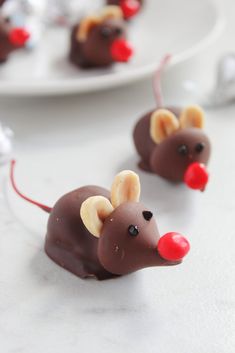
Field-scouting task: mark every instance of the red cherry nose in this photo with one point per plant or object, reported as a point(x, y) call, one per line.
point(196, 176)
point(121, 50)
point(130, 8)
point(173, 246)
point(18, 36)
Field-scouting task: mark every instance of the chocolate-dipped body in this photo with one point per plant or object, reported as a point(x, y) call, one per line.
point(115, 252)
point(68, 242)
point(95, 51)
point(143, 141)
point(118, 2)
point(164, 158)
point(72, 246)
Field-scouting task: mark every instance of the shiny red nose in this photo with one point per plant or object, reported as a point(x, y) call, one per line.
point(130, 8)
point(121, 50)
point(196, 176)
point(173, 246)
point(18, 36)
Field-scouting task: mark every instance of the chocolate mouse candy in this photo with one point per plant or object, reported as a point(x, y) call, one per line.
point(130, 8)
point(99, 41)
point(172, 144)
point(92, 232)
point(11, 38)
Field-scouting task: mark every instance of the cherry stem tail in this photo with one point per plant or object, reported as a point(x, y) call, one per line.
point(12, 179)
point(157, 80)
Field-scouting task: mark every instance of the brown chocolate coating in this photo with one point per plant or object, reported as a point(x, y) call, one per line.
point(117, 2)
point(2, 2)
point(164, 159)
point(68, 242)
point(95, 50)
point(122, 253)
point(6, 47)
point(116, 252)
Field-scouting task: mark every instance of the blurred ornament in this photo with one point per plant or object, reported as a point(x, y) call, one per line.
point(6, 136)
point(66, 12)
point(224, 90)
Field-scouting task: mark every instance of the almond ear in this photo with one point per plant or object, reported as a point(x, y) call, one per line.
point(126, 187)
point(192, 116)
point(93, 212)
point(85, 26)
point(111, 11)
point(162, 124)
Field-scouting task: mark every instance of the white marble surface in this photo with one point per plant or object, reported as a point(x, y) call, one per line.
point(186, 309)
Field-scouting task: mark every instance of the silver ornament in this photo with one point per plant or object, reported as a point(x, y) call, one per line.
point(224, 90)
point(6, 136)
point(67, 12)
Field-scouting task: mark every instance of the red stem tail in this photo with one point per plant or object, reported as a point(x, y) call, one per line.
point(12, 179)
point(157, 80)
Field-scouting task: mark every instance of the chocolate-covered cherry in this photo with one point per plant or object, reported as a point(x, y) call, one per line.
point(168, 145)
point(171, 143)
point(99, 41)
point(130, 8)
point(94, 232)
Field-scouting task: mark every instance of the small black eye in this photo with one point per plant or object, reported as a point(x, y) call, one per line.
point(183, 150)
point(199, 147)
point(118, 31)
point(106, 32)
point(133, 230)
point(147, 215)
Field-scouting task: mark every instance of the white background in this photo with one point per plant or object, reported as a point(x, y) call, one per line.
point(62, 143)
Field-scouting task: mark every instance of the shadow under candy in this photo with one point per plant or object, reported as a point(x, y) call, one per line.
point(171, 198)
point(90, 296)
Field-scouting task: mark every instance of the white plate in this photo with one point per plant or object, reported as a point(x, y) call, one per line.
point(179, 27)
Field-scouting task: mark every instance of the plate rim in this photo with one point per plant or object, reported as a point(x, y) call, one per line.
point(70, 86)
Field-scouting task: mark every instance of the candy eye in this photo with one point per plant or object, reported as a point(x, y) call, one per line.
point(133, 230)
point(105, 32)
point(199, 147)
point(147, 215)
point(118, 31)
point(183, 150)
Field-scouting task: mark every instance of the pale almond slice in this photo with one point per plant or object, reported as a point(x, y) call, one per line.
point(93, 212)
point(85, 25)
point(192, 116)
point(162, 124)
point(111, 11)
point(126, 187)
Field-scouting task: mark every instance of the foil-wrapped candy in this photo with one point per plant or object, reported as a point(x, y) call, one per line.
point(224, 90)
point(35, 14)
point(6, 136)
point(67, 12)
